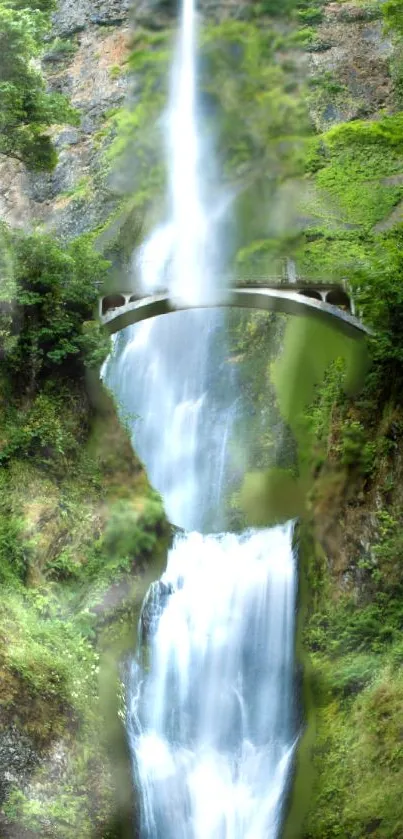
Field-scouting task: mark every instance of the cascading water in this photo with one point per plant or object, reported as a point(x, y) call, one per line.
point(211, 720)
point(171, 373)
point(210, 698)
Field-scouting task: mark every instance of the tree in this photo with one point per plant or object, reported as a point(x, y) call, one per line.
point(26, 109)
point(52, 315)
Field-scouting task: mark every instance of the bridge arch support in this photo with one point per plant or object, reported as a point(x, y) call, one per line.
point(324, 305)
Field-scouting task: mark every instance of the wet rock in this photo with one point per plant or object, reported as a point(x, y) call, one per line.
point(15, 208)
point(331, 113)
point(78, 215)
point(14, 831)
point(70, 137)
point(72, 17)
point(18, 759)
point(69, 170)
point(153, 607)
point(221, 9)
point(66, 201)
point(357, 56)
point(158, 14)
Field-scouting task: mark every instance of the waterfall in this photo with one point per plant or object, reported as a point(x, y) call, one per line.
point(211, 716)
point(211, 719)
point(170, 375)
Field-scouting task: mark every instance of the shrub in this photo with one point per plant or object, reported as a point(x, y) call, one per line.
point(55, 295)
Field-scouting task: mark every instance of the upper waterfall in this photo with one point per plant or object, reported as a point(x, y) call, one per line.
point(182, 254)
point(171, 375)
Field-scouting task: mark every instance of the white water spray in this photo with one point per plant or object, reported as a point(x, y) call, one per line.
point(211, 720)
point(171, 374)
point(210, 711)
point(182, 254)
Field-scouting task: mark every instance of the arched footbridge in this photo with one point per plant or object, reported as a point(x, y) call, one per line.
point(327, 302)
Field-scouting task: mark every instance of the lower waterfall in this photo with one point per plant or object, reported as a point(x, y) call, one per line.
point(211, 717)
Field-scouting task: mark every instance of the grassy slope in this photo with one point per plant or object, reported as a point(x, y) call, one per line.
point(80, 533)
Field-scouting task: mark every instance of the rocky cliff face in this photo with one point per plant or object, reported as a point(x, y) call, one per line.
point(86, 58)
point(352, 50)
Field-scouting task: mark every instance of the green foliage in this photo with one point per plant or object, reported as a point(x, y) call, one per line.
point(12, 554)
point(381, 297)
point(136, 145)
point(56, 294)
point(346, 629)
point(329, 394)
point(386, 132)
point(45, 649)
point(356, 656)
point(70, 540)
point(351, 182)
point(128, 533)
point(47, 429)
point(130, 537)
point(26, 109)
point(393, 15)
point(356, 450)
point(82, 189)
point(115, 71)
point(310, 16)
point(66, 812)
point(327, 82)
point(61, 49)
point(388, 549)
point(354, 187)
point(33, 6)
point(242, 59)
point(357, 755)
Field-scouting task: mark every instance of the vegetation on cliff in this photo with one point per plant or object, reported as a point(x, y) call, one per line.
point(78, 528)
point(26, 109)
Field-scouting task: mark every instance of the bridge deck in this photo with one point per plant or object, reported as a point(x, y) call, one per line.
point(267, 299)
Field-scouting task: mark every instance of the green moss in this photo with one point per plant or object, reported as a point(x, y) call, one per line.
point(61, 49)
point(115, 71)
point(351, 187)
point(82, 189)
point(393, 16)
point(133, 129)
point(357, 753)
point(84, 544)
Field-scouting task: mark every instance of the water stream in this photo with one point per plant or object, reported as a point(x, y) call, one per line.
point(211, 714)
point(211, 718)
